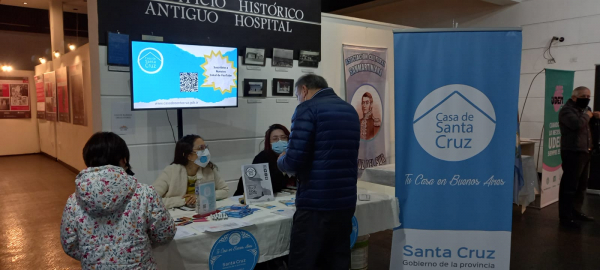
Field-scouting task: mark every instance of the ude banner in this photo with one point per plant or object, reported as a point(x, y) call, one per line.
point(456, 99)
point(366, 84)
point(559, 86)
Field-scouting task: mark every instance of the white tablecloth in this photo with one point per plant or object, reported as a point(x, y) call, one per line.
point(272, 232)
point(383, 175)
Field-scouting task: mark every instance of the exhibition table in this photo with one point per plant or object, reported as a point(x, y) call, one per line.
point(270, 227)
point(383, 175)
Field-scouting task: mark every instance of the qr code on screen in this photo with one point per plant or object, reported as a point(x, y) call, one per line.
point(188, 82)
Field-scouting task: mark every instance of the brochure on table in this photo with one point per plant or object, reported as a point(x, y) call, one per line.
point(257, 183)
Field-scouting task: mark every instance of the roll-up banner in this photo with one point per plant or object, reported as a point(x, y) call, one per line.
point(456, 95)
point(559, 86)
point(366, 84)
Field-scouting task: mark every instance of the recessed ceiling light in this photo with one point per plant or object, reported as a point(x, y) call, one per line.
point(25, 3)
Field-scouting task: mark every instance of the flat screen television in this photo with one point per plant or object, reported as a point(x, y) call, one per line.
point(178, 76)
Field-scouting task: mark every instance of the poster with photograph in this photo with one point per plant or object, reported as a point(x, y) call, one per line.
point(366, 73)
point(255, 57)
point(309, 59)
point(62, 87)
point(14, 98)
point(40, 97)
point(283, 58)
point(283, 87)
point(257, 183)
point(77, 95)
point(50, 93)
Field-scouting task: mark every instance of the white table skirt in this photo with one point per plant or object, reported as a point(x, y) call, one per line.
point(272, 232)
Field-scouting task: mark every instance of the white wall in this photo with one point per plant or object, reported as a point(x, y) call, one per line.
point(234, 134)
point(65, 141)
point(20, 136)
point(577, 21)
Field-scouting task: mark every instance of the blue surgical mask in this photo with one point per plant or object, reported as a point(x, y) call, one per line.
point(279, 147)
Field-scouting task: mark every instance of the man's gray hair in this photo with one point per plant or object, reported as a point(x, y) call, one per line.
point(578, 91)
point(312, 81)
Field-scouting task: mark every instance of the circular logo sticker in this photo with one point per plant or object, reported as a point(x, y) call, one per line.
point(354, 234)
point(251, 172)
point(150, 60)
point(236, 249)
point(455, 122)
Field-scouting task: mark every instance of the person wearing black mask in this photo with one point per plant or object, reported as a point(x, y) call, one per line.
point(575, 144)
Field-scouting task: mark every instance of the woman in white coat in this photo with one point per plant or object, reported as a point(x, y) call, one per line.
point(176, 184)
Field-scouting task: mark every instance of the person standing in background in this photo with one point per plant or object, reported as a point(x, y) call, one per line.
point(575, 144)
point(323, 154)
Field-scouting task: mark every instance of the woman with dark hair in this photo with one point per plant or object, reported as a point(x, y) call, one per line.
point(276, 139)
point(97, 221)
point(177, 183)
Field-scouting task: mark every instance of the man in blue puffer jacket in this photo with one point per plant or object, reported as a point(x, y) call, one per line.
point(322, 153)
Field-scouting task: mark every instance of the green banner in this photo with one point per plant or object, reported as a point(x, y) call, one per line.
point(559, 86)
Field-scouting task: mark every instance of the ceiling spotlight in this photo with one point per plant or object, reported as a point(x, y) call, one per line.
point(25, 3)
point(56, 54)
point(7, 68)
point(72, 47)
point(42, 60)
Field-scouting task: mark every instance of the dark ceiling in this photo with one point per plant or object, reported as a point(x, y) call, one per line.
point(37, 21)
point(328, 6)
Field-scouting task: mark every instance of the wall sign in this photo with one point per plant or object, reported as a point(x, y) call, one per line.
point(14, 98)
point(62, 89)
point(78, 95)
point(234, 250)
point(294, 25)
point(40, 97)
point(50, 92)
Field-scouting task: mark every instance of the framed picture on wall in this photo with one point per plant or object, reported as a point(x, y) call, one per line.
point(283, 58)
point(254, 57)
point(255, 88)
point(309, 59)
point(283, 87)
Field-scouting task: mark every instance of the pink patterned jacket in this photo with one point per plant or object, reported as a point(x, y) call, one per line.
point(111, 221)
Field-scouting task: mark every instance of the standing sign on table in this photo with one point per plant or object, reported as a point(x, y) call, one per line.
point(456, 98)
point(366, 84)
point(559, 87)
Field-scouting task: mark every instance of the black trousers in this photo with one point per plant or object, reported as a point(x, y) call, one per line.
point(321, 240)
point(576, 166)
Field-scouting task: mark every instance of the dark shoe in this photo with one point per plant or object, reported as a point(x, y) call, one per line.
point(583, 217)
point(569, 223)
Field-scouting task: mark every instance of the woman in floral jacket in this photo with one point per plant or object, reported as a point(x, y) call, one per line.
point(111, 220)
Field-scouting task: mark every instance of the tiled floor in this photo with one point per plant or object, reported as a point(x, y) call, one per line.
point(33, 192)
point(34, 189)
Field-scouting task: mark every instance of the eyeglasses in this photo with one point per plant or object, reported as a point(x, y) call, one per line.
point(201, 147)
point(281, 138)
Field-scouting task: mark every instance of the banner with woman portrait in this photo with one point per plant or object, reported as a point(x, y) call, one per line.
point(366, 72)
